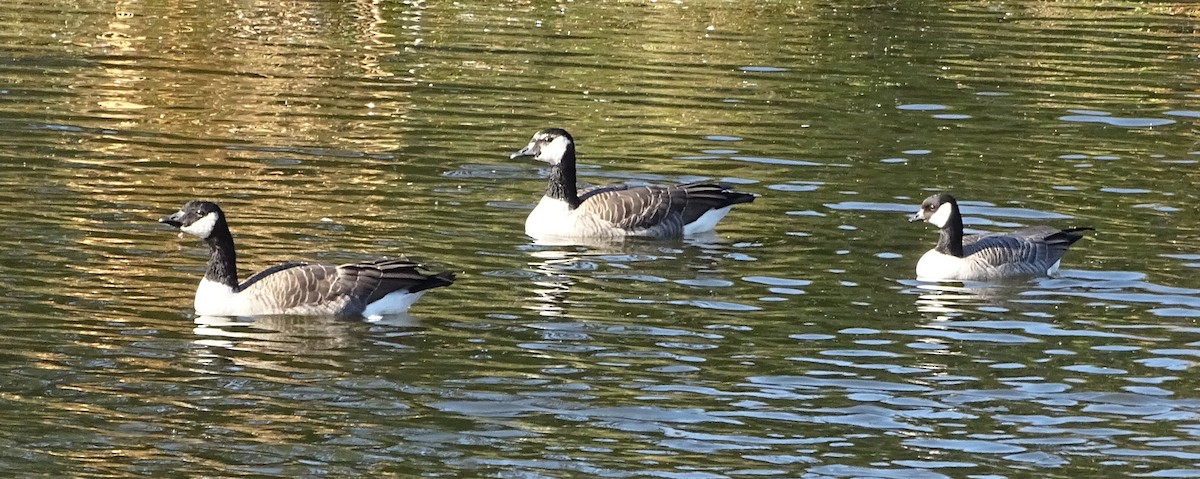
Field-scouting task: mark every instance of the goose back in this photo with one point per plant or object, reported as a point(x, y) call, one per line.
point(342, 290)
point(653, 211)
point(1034, 251)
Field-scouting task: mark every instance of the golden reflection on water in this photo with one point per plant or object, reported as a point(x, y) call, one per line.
point(334, 131)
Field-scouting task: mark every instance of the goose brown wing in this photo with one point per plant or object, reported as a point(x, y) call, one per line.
point(632, 208)
point(376, 279)
point(642, 207)
point(267, 272)
point(702, 197)
point(341, 289)
point(1034, 249)
point(292, 285)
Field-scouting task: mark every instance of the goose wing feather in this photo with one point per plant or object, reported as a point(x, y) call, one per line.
point(588, 192)
point(287, 287)
point(376, 279)
point(341, 289)
point(1024, 251)
point(646, 207)
point(632, 208)
point(267, 272)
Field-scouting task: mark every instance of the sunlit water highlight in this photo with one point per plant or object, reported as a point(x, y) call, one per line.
point(792, 343)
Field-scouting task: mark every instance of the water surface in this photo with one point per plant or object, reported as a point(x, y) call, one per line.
point(793, 343)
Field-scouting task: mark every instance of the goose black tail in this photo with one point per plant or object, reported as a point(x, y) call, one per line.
point(733, 198)
point(438, 280)
point(1071, 235)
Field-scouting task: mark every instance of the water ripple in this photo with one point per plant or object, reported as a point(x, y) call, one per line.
point(791, 342)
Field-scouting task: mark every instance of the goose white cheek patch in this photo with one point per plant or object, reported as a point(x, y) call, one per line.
point(553, 152)
point(942, 215)
point(201, 227)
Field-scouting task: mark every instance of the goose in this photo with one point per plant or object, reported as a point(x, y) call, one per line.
point(371, 289)
point(1024, 253)
point(618, 211)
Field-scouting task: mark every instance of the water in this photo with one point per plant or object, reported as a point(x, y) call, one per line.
point(794, 343)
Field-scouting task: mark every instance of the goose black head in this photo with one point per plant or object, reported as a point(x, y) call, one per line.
point(936, 209)
point(551, 145)
point(196, 217)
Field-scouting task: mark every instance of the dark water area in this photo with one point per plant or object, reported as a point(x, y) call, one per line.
point(793, 342)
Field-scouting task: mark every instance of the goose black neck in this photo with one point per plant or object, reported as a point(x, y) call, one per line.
point(562, 180)
point(222, 259)
point(950, 240)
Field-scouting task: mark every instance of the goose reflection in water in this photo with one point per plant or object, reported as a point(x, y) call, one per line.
point(950, 300)
point(286, 337)
point(559, 263)
point(551, 283)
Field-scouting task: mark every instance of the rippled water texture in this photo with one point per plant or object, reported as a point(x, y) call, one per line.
point(792, 343)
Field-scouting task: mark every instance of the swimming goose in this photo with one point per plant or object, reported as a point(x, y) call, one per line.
point(1027, 252)
point(620, 210)
point(371, 289)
